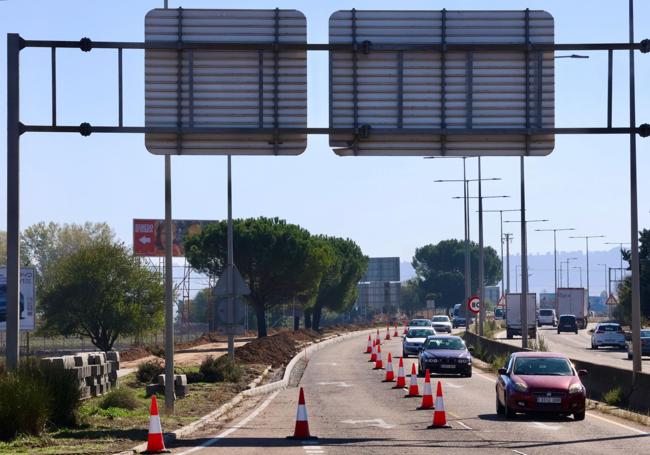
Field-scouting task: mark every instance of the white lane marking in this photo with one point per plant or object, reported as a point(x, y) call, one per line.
point(234, 428)
point(467, 427)
point(545, 426)
point(487, 378)
point(452, 385)
point(516, 451)
point(337, 384)
point(333, 364)
point(379, 423)
point(635, 430)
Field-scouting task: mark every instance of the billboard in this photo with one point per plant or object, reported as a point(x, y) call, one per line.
point(206, 89)
point(462, 73)
point(149, 236)
point(27, 299)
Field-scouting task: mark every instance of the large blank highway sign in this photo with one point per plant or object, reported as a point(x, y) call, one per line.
point(402, 90)
point(225, 88)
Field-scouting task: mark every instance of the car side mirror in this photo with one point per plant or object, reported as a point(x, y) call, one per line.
point(503, 371)
point(470, 349)
point(582, 373)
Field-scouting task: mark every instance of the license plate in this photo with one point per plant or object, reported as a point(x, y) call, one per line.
point(448, 366)
point(554, 400)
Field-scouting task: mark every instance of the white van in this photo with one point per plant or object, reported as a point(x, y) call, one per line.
point(546, 317)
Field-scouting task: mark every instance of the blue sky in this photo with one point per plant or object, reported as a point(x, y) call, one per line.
point(389, 206)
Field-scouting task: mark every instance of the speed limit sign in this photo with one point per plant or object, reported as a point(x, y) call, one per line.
point(474, 304)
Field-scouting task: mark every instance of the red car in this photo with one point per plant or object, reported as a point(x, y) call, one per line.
point(540, 382)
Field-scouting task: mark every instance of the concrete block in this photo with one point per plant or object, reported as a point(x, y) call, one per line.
point(94, 370)
point(81, 359)
point(113, 356)
point(161, 379)
point(180, 380)
point(154, 388)
point(180, 390)
point(112, 376)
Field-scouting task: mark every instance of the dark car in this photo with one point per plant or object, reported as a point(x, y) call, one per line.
point(3, 303)
point(645, 344)
point(540, 382)
point(445, 355)
point(567, 323)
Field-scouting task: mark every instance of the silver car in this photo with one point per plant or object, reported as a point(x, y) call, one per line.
point(608, 334)
point(414, 339)
point(441, 324)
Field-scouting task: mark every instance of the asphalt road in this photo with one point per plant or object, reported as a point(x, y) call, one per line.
point(577, 347)
point(353, 412)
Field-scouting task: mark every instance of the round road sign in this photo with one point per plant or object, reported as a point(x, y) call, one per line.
point(474, 304)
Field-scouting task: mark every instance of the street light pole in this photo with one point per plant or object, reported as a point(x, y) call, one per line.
point(508, 240)
point(587, 237)
point(503, 273)
point(555, 255)
point(481, 265)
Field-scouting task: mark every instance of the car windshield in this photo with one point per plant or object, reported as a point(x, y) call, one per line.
point(542, 366)
point(455, 344)
point(419, 333)
point(440, 319)
point(419, 323)
point(567, 319)
point(546, 312)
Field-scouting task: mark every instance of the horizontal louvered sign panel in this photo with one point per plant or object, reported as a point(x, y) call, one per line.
point(243, 89)
point(462, 93)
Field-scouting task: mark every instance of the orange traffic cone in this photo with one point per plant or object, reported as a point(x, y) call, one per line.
point(369, 346)
point(439, 416)
point(401, 379)
point(302, 424)
point(427, 396)
point(395, 334)
point(414, 390)
point(379, 364)
point(389, 370)
point(377, 339)
point(373, 353)
point(387, 337)
point(155, 441)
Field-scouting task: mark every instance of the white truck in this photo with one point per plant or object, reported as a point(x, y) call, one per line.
point(574, 301)
point(513, 315)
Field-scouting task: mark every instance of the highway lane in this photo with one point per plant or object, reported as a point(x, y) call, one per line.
point(353, 412)
point(577, 347)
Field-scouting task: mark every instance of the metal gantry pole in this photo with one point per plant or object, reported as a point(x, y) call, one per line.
point(13, 202)
point(634, 217)
point(231, 261)
point(481, 270)
point(468, 270)
point(503, 272)
point(169, 292)
point(524, 261)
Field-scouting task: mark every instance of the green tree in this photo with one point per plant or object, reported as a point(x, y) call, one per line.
point(623, 310)
point(101, 291)
point(440, 269)
point(411, 297)
point(3, 248)
point(338, 288)
point(277, 259)
point(199, 307)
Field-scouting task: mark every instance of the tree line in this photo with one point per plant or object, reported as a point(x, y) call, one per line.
point(89, 284)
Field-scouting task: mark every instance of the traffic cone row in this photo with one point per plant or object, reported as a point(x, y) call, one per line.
point(439, 415)
point(387, 337)
point(369, 346)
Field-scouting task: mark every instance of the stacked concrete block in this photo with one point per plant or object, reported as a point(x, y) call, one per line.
point(180, 386)
point(96, 371)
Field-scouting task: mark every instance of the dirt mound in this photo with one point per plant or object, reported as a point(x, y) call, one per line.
point(134, 353)
point(277, 349)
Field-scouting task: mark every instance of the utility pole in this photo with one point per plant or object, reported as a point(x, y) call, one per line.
point(555, 231)
point(587, 237)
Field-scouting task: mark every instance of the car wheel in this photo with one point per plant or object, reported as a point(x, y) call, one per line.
point(507, 412)
point(469, 373)
point(404, 355)
point(595, 346)
point(558, 331)
point(500, 408)
point(629, 356)
point(576, 331)
point(579, 415)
